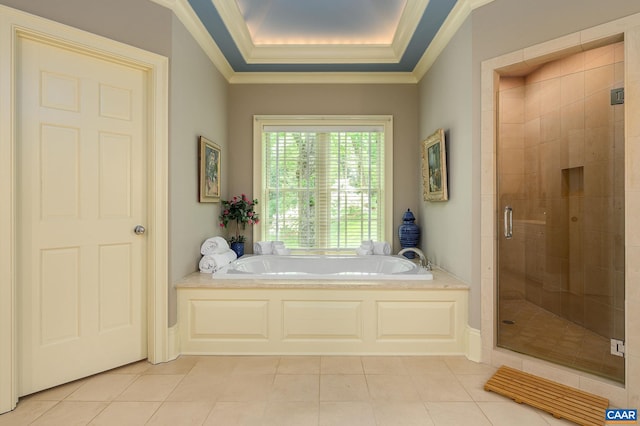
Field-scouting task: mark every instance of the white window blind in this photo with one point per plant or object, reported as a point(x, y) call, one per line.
point(323, 185)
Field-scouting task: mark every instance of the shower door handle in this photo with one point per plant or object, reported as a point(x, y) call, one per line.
point(508, 222)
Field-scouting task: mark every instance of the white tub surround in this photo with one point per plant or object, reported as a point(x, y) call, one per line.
point(322, 316)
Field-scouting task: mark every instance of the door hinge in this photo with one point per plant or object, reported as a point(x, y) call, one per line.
point(617, 347)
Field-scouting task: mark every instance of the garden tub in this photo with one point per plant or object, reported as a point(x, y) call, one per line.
point(293, 305)
point(318, 267)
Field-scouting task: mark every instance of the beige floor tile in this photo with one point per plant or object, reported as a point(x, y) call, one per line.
point(26, 412)
point(457, 413)
point(385, 387)
point(236, 414)
point(295, 387)
point(182, 365)
point(71, 413)
point(341, 365)
point(181, 413)
point(440, 387)
point(126, 414)
point(433, 391)
point(299, 365)
point(155, 387)
point(288, 413)
point(59, 392)
point(138, 367)
point(424, 364)
point(503, 413)
point(214, 365)
point(351, 413)
point(343, 387)
point(555, 422)
point(200, 388)
point(474, 385)
point(402, 414)
point(461, 365)
point(383, 365)
point(248, 388)
point(103, 387)
point(256, 365)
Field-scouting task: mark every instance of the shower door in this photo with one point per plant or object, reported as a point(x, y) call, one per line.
point(561, 212)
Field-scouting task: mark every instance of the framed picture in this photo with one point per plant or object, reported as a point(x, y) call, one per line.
point(209, 170)
point(434, 167)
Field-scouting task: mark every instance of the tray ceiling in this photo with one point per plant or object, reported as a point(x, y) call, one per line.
point(322, 35)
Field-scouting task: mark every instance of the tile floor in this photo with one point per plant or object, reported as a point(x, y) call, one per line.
point(281, 390)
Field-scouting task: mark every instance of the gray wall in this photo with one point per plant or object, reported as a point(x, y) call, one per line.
point(444, 102)
point(338, 99)
point(492, 30)
point(139, 23)
point(197, 106)
point(198, 94)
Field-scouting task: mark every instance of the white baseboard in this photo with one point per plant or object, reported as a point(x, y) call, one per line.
point(474, 344)
point(174, 342)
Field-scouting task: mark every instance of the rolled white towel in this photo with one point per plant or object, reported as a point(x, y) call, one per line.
point(263, 247)
point(363, 251)
point(276, 244)
point(207, 264)
point(367, 245)
point(214, 245)
point(212, 262)
point(382, 247)
point(281, 251)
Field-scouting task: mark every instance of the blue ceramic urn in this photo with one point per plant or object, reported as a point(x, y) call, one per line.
point(238, 248)
point(409, 233)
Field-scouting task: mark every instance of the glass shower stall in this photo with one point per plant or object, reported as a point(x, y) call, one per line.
point(560, 189)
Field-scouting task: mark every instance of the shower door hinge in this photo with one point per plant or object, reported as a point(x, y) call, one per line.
point(617, 347)
point(617, 96)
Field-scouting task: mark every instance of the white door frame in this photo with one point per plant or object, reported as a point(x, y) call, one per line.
point(13, 24)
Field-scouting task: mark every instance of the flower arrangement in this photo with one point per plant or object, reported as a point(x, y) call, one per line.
point(241, 211)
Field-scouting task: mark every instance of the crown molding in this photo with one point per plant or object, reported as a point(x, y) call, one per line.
point(451, 25)
point(411, 16)
point(183, 11)
point(329, 53)
point(456, 18)
point(323, 78)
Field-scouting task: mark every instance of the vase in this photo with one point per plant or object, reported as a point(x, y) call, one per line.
point(409, 233)
point(238, 248)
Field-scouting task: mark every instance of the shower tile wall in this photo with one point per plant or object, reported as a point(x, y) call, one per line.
point(561, 168)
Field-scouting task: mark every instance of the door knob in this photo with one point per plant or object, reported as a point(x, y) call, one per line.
point(139, 230)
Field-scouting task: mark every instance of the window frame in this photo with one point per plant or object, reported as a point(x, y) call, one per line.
point(385, 121)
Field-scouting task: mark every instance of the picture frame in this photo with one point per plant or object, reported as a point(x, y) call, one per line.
point(209, 155)
point(434, 167)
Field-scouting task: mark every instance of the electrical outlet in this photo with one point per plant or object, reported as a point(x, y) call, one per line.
point(617, 347)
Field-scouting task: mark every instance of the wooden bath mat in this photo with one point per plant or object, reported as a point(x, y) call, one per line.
point(561, 401)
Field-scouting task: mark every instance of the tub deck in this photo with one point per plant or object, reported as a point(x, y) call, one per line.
point(322, 317)
point(441, 280)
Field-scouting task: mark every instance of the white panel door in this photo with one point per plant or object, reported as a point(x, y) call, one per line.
point(81, 122)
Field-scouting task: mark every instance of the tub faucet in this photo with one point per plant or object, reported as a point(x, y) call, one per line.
point(423, 259)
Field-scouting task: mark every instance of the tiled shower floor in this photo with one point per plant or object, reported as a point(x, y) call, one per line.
point(542, 334)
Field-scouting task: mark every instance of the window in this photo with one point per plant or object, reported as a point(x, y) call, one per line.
point(323, 182)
